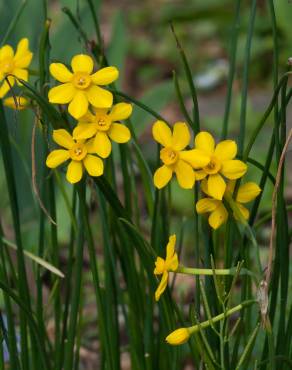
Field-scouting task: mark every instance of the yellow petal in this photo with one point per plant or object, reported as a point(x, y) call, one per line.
point(79, 105)
point(121, 111)
point(5, 87)
point(6, 52)
point(100, 111)
point(16, 102)
point(233, 169)
point(205, 142)
point(119, 133)
point(185, 174)
point(177, 337)
point(105, 76)
point(247, 192)
point(162, 286)
point(244, 212)
point(74, 172)
point(98, 97)
point(181, 136)
point(162, 133)
point(216, 186)
point(90, 147)
point(172, 264)
point(102, 144)
point(195, 157)
point(170, 246)
point(20, 73)
point(63, 138)
point(162, 176)
point(218, 217)
point(206, 205)
point(204, 186)
point(84, 131)
point(82, 63)
point(60, 72)
point(93, 165)
point(200, 175)
point(225, 150)
point(57, 157)
point(159, 266)
point(62, 94)
point(23, 56)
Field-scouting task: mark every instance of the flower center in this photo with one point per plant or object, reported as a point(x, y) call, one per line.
point(7, 65)
point(168, 156)
point(213, 166)
point(78, 152)
point(81, 80)
point(103, 122)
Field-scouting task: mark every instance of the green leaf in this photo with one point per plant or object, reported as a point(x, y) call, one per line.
point(36, 259)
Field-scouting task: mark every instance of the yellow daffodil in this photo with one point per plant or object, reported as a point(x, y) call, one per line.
point(221, 162)
point(14, 65)
point(80, 153)
point(162, 267)
point(177, 337)
point(174, 158)
point(80, 87)
point(103, 126)
point(218, 213)
point(16, 102)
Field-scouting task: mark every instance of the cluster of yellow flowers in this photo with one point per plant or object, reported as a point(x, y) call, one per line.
point(92, 106)
point(13, 68)
point(215, 165)
point(217, 169)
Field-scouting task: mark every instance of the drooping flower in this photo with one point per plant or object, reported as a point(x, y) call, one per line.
point(174, 158)
point(178, 336)
point(14, 65)
point(221, 162)
point(80, 87)
point(80, 153)
point(163, 266)
point(103, 126)
point(218, 212)
point(16, 102)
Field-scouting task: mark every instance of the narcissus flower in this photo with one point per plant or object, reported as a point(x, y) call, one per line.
point(221, 162)
point(163, 266)
point(218, 213)
point(177, 337)
point(14, 65)
point(174, 158)
point(80, 153)
point(103, 126)
point(80, 87)
point(16, 102)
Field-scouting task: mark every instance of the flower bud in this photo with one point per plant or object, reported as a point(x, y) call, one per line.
point(178, 336)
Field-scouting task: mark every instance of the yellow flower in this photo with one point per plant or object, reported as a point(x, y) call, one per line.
point(162, 267)
point(80, 87)
point(221, 162)
point(102, 124)
point(80, 154)
point(179, 336)
point(16, 102)
point(218, 213)
point(14, 64)
point(174, 158)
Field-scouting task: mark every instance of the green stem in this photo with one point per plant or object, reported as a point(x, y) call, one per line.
point(75, 298)
point(233, 49)
point(231, 311)
point(245, 78)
